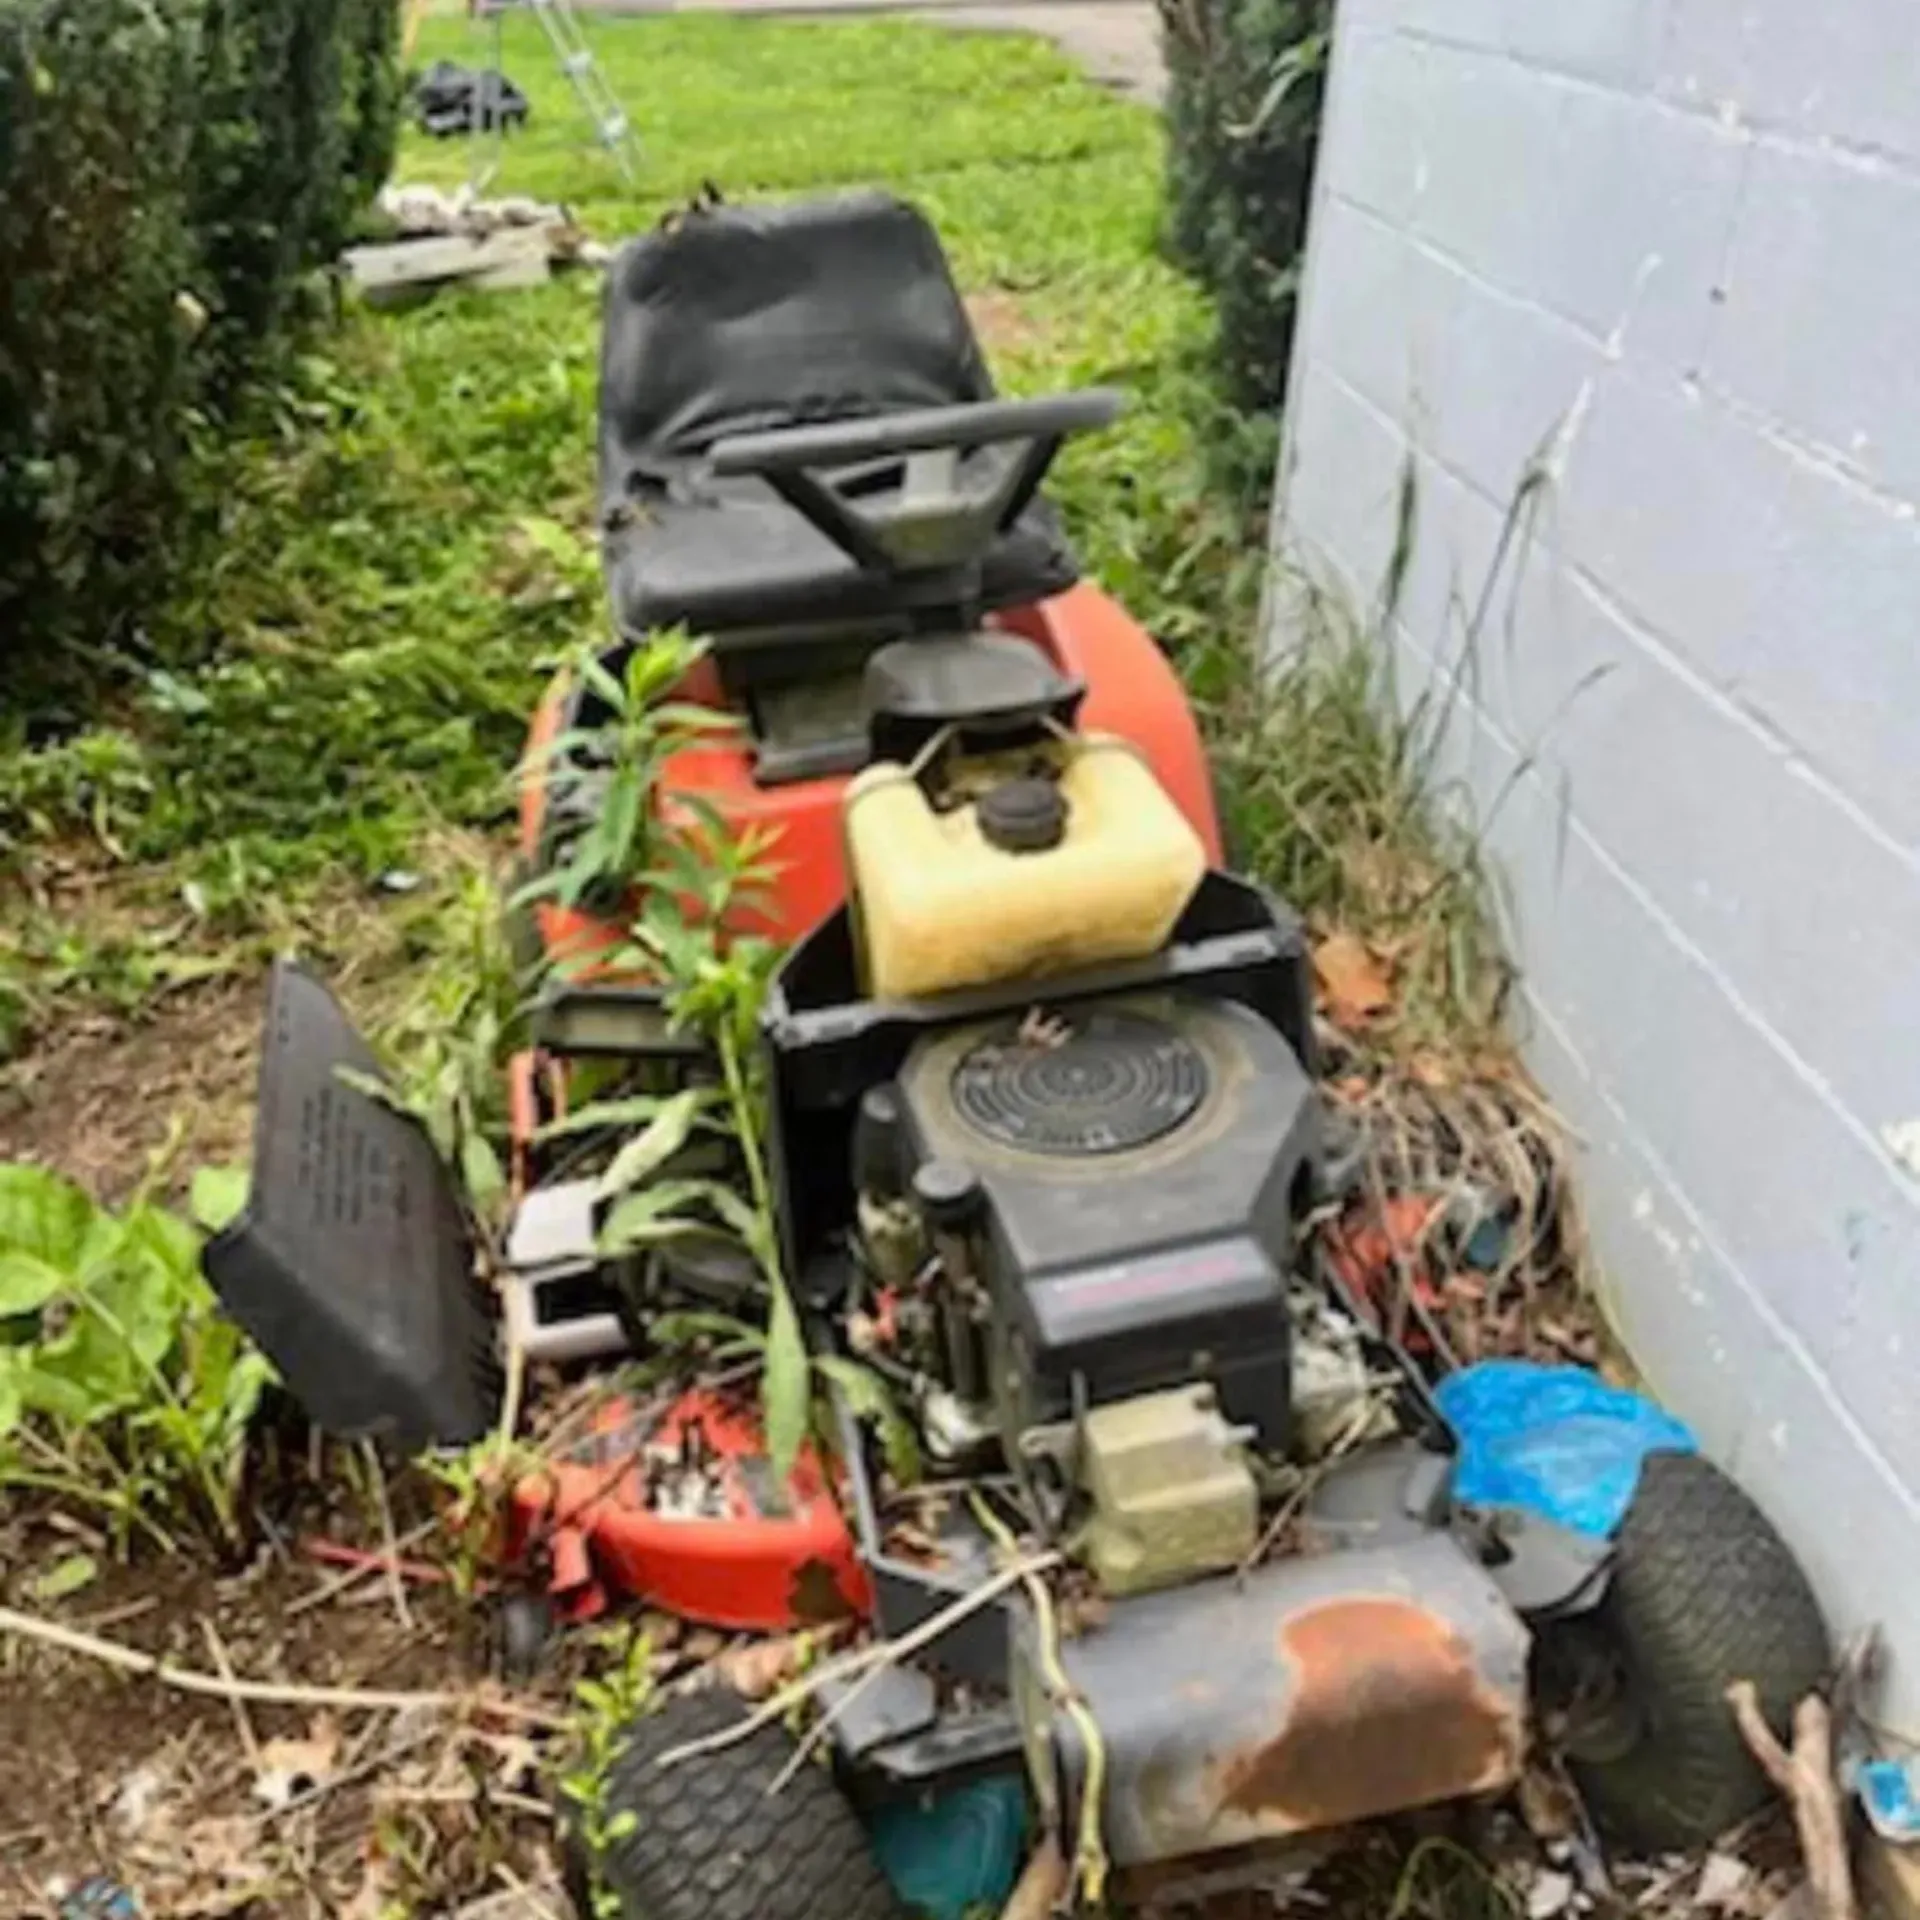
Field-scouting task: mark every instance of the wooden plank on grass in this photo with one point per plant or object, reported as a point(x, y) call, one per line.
point(494, 259)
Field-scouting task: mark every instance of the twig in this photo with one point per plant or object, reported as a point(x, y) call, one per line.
point(1042, 1886)
point(27, 1626)
point(361, 1570)
point(396, 1586)
point(513, 1394)
point(809, 1742)
point(878, 1653)
point(467, 1797)
point(1090, 1862)
point(119, 1616)
point(1804, 1776)
point(216, 1648)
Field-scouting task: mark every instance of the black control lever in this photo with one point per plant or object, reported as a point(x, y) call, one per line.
point(935, 520)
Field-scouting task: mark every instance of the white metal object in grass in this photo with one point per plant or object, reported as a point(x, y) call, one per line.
point(575, 56)
point(551, 1303)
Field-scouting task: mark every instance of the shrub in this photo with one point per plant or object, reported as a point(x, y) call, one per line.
point(1245, 82)
point(163, 163)
point(96, 117)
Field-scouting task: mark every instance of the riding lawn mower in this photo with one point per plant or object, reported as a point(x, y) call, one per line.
point(1046, 1154)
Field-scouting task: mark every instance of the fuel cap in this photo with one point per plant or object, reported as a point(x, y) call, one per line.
point(1023, 816)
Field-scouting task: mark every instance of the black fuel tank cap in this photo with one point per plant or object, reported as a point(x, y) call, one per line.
point(1023, 816)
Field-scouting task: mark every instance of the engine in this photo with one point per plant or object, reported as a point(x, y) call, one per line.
point(1101, 1208)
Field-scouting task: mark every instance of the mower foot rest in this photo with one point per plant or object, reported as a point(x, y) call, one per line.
point(351, 1266)
point(957, 1747)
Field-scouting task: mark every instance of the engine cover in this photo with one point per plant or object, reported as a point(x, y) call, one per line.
point(1143, 1161)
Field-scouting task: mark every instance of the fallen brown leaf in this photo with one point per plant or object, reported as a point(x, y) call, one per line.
point(755, 1667)
point(289, 1767)
point(1354, 987)
point(662, 1630)
point(370, 1902)
point(703, 1644)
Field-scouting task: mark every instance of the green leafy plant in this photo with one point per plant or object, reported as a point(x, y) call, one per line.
point(605, 1707)
point(721, 1340)
point(715, 987)
point(171, 173)
point(121, 1385)
point(605, 773)
point(1246, 79)
point(450, 1040)
point(685, 875)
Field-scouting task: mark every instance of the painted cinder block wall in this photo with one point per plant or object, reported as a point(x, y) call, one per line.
point(1663, 256)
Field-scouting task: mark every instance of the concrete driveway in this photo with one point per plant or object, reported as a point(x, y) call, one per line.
point(1117, 41)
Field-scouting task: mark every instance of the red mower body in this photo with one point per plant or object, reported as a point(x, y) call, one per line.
point(1132, 692)
point(680, 1506)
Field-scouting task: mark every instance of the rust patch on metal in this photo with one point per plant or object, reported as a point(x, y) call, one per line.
point(1386, 1710)
point(814, 1598)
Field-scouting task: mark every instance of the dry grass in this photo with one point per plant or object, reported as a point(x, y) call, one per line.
point(1329, 774)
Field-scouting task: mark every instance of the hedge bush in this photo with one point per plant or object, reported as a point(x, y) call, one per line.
point(171, 172)
point(1245, 83)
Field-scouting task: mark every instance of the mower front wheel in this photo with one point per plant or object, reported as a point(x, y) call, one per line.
point(1703, 1593)
point(707, 1838)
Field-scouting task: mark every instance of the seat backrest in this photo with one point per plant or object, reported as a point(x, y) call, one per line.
point(740, 319)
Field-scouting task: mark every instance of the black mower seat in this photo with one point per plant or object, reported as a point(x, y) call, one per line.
point(742, 320)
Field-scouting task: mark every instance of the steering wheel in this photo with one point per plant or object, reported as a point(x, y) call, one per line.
point(941, 515)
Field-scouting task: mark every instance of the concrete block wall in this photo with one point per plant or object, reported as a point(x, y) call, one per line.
point(1636, 284)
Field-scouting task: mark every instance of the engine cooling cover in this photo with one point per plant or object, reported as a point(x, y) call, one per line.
point(1142, 1161)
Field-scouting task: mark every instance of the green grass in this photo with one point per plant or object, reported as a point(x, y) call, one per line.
point(376, 599)
point(771, 106)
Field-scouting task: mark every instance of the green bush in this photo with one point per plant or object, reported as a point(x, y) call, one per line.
point(1245, 82)
point(171, 173)
point(96, 117)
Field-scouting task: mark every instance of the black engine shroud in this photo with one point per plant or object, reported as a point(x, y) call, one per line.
point(1142, 1161)
point(1143, 1181)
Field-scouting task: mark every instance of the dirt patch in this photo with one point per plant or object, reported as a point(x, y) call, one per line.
point(100, 1095)
point(1003, 323)
point(99, 1092)
point(302, 1811)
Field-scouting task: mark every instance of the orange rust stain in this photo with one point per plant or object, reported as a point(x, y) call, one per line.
point(1387, 1712)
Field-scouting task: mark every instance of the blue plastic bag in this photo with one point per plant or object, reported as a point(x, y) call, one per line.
point(1555, 1441)
point(1890, 1792)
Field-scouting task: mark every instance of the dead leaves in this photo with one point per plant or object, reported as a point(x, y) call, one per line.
point(289, 1768)
point(754, 1668)
point(1355, 988)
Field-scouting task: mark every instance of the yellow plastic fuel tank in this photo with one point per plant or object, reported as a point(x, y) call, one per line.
point(940, 907)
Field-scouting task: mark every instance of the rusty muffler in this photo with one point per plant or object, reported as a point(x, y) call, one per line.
point(1317, 1691)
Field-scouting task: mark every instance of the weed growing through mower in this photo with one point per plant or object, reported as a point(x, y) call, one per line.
point(683, 889)
point(606, 774)
point(449, 1041)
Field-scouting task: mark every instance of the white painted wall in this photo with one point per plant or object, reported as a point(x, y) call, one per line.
point(1670, 251)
